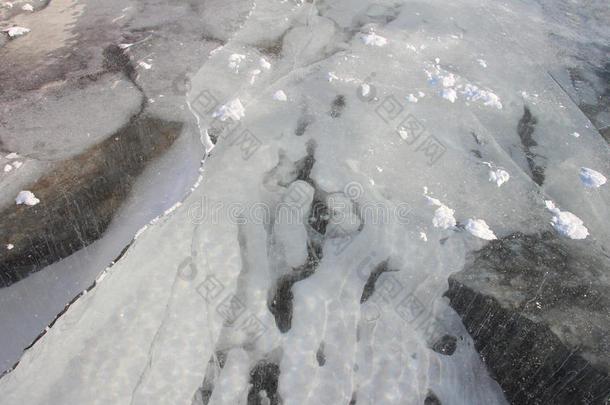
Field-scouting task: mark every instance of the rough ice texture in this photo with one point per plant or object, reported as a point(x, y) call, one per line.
point(99, 180)
point(537, 307)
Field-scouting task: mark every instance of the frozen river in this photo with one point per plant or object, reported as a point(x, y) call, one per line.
point(355, 156)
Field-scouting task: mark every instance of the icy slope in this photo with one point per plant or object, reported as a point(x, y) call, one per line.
point(309, 264)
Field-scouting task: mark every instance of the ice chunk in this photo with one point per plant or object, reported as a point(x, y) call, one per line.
point(26, 197)
point(449, 80)
point(575, 134)
point(280, 96)
point(373, 39)
point(17, 164)
point(592, 178)
point(499, 176)
point(7, 168)
point(443, 216)
point(27, 7)
point(449, 94)
point(16, 31)
point(233, 109)
point(411, 98)
point(482, 62)
point(479, 228)
point(12, 155)
point(235, 60)
point(264, 63)
point(145, 65)
point(567, 223)
point(365, 89)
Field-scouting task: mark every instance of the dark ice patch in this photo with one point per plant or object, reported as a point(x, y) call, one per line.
point(525, 129)
point(264, 377)
point(445, 345)
point(337, 106)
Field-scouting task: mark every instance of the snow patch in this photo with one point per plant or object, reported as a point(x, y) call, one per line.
point(449, 80)
point(235, 60)
point(27, 7)
point(443, 216)
point(411, 98)
point(499, 176)
point(233, 109)
point(567, 223)
point(365, 89)
point(449, 94)
point(26, 197)
point(17, 31)
point(592, 178)
point(280, 96)
point(373, 39)
point(479, 228)
point(264, 63)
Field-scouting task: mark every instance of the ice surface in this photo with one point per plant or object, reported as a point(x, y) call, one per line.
point(295, 247)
